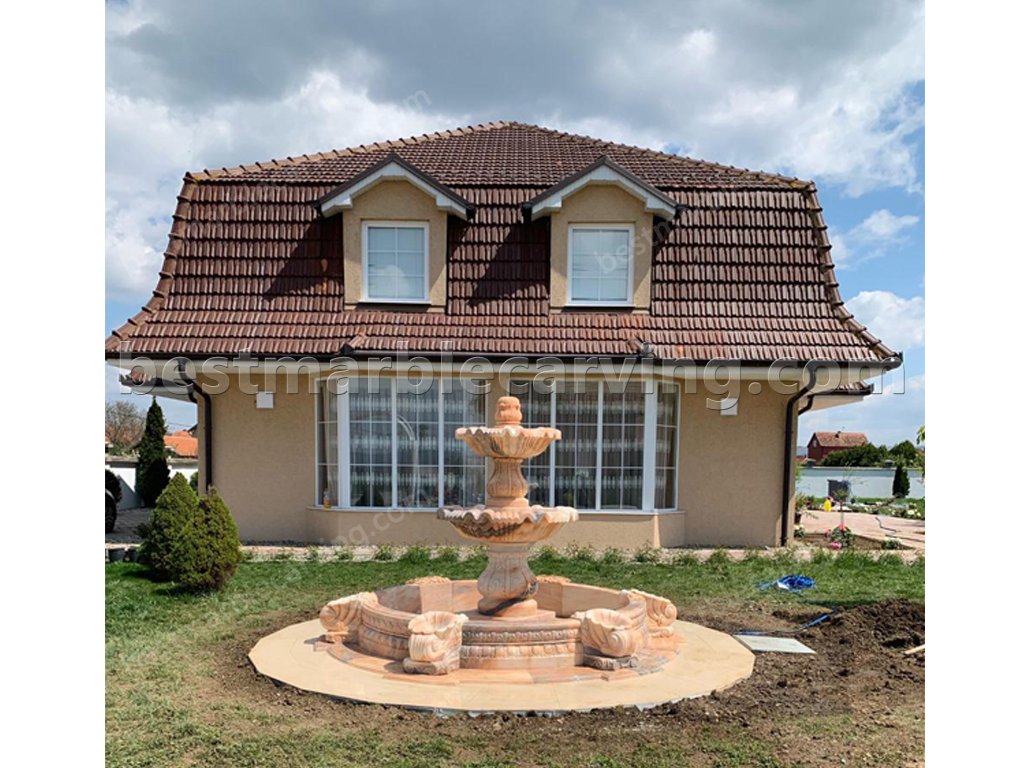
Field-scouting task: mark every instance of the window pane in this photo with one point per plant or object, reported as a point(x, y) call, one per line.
point(576, 452)
point(409, 239)
point(417, 417)
point(665, 446)
point(600, 265)
point(464, 474)
point(395, 263)
point(327, 443)
point(622, 455)
point(370, 442)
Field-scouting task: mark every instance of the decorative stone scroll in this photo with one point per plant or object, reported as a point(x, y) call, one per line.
point(661, 614)
point(610, 638)
point(341, 617)
point(435, 640)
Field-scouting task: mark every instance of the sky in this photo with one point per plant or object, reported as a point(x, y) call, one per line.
point(829, 92)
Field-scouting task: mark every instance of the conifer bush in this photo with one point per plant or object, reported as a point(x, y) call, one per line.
point(165, 536)
point(152, 472)
point(900, 482)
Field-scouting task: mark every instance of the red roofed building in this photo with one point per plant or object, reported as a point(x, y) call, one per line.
point(822, 444)
point(513, 245)
point(182, 444)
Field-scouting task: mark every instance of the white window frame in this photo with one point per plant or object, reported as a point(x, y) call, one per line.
point(630, 268)
point(425, 226)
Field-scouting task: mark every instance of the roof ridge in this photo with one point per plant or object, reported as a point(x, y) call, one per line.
point(208, 174)
point(761, 175)
point(389, 145)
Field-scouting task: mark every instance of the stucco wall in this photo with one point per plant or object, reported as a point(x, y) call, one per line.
point(865, 482)
point(264, 460)
point(729, 478)
point(602, 204)
point(395, 201)
point(731, 470)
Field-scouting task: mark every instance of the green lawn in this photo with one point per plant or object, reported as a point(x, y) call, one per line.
point(180, 692)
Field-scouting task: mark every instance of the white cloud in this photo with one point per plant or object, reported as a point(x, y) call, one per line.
point(883, 225)
point(897, 321)
point(880, 234)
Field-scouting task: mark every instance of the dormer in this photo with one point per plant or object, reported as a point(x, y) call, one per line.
point(395, 235)
point(602, 230)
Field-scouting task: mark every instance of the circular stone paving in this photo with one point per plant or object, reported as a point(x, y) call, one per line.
point(707, 661)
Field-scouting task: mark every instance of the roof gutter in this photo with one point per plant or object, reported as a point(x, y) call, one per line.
point(813, 367)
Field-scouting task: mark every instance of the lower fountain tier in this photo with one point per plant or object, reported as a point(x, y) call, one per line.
point(541, 641)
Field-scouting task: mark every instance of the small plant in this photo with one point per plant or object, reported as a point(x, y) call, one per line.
point(283, 556)
point(415, 553)
point(891, 542)
point(384, 553)
point(841, 535)
point(313, 553)
point(582, 553)
point(684, 558)
point(548, 553)
point(799, 532)
point(447, 553)
point(343, 554)
point(646, 554)
point(612, 556)
point(718, 559)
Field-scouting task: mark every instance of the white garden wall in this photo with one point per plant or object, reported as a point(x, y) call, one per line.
point(865, 482)
point(124, 468)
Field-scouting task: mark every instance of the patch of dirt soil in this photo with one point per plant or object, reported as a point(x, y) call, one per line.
point(859, 700)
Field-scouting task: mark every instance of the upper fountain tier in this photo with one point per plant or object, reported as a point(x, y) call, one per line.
point(508, 438)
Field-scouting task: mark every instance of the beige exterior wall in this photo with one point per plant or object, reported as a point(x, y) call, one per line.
point(395, 201)
point(731, 470)
point(264, 464)
point(264, 460)
point(602, 204)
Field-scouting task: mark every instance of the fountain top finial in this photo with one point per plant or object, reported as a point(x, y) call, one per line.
point(508, 412)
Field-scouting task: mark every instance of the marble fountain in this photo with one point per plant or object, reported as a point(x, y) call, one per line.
point(509, 640)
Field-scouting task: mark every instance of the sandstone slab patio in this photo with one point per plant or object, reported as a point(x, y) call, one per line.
point(711, 661)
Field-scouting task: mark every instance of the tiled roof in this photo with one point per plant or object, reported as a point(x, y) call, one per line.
point(840, 439)
point(744, 272)
point(182, 444)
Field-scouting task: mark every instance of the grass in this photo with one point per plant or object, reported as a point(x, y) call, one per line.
point(179, 693)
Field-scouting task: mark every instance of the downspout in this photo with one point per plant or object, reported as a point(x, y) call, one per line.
point(787, 465)
point(192, 387)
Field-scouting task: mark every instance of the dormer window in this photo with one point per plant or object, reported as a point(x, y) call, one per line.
point(601, 264)
point(395, 265)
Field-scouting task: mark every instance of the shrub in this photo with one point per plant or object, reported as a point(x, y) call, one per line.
point(684, 557)
point(385, 552)
point(313, 553)
point(891, 542)
point(152, 471)
point(582, 553)
point(799, 532)
point(447, 553)
point(548, 553)
point(193, 482)
point(113, 485)
point(110, 519)
point(900, 482)
point(646, 554)
point(343, 554)
point(613, 556)
point(840, 535)
point(210, 552)
point(175, 511)
point(415, 553)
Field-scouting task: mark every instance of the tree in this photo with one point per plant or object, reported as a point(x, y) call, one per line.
point(920, 439)
point(166, 542)
point(152, 472)
point(124, 425)
point(866, 455)
point(900, 482)
point(905, 453)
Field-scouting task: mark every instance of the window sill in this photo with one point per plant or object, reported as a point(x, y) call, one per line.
point(404, 302)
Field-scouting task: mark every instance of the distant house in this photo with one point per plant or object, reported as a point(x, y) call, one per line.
point(822, 444)
point(182, 444)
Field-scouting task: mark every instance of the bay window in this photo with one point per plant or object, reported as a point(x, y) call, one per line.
point(381, 444)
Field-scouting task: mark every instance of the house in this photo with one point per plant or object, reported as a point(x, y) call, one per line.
point(822, 444)
point(300, 297)
point(182, 444)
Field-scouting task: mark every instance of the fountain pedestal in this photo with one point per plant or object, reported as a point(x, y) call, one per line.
point(506, 523)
